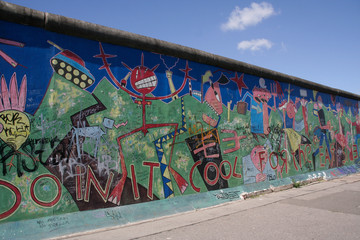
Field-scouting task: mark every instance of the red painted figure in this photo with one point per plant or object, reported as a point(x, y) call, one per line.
point(144, 81)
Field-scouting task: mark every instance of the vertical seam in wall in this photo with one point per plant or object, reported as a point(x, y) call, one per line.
point(45, 19)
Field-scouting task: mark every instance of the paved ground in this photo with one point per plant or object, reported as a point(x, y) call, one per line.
point(325, 210)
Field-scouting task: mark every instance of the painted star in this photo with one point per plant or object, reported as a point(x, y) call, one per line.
point(239, 81)
point(104, 56)
point(186, 71)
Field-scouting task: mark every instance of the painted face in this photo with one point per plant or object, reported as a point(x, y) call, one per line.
point(261, 95)
point(290, 109)
point(259, 157)
point(143, 79)
point(213, 100)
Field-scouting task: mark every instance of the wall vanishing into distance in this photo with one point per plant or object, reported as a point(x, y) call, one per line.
point(86, 125)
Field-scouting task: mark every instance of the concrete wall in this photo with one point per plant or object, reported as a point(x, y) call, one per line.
point(93, 118)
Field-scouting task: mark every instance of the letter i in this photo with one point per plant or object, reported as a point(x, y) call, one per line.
point(78, 183)
point(134, 182)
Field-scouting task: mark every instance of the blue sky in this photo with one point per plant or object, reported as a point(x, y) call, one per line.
point(314, 40)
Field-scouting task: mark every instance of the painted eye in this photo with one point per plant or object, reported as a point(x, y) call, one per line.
point(217, 96)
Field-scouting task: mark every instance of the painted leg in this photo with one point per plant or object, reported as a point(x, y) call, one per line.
point(116, 193)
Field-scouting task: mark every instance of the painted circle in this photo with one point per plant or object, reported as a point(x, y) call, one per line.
point(82, 85)
point(191, 176)
point(17, 193)
point(69, 68)
point(57, 197)
point(143, 80)
point(68, 76)
point(76, 72)
point(226, 177)
point(271, 158)
point(83, 77)
point(76, 81)
point(215, 180)
point(54, 61)
point(61, 72)
point(62, 64)
point(90, 81)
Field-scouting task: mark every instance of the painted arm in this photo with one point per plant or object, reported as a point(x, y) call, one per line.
point(273, 108)
point(169, 96)
point(274, 95)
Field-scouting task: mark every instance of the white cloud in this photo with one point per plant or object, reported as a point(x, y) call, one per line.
point(255, 44)
point(240, 19)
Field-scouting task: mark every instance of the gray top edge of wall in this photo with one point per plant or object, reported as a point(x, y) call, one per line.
point(60, 24)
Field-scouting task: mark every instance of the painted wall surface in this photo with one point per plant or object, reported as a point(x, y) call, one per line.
point(87, 125)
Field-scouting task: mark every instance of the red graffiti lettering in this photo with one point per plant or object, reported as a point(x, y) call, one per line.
point(226, 177)
point(151, 177)
point(308, 151)
point(215, 180)
point(42, 203)
point(78, 183)
point(17, 202)
point(354, 150)
point(191, 176)
point(91, 179)
point(277, 160)
point(285, 161)
point(294, 161)
point(237, 175)
point(262, 158)
point(134, 183)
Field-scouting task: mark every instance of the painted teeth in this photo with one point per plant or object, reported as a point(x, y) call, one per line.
point(146, 83)
point(197, 93)
point(211, 108)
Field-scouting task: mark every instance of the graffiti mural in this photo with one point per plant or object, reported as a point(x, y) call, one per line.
point(87, 125)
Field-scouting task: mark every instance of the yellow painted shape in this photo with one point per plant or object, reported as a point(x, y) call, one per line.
point(167, 173)
point(15, 128)
point(170, 185)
